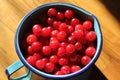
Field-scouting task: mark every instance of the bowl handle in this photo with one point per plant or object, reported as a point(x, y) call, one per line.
point(14, 67)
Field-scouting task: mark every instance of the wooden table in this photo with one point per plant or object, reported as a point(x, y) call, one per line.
point(11, 12)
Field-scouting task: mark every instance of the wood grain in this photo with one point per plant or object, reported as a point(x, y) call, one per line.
point(12, 11)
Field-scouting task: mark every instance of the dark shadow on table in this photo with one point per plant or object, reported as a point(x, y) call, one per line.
point(96, 74)
point(113, 6)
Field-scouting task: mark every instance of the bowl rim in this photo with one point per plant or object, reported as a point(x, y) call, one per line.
point(96, 28)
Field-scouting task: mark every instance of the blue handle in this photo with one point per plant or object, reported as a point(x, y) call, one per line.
point(14, 67)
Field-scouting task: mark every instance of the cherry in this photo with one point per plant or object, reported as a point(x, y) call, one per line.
point(54, 44)
point(46, 50)
point(30, 50)
point(61, 35)
point(36, 46)
point(65, 69)
point(54, 33)
point(85, 60)
point(46, 32)
point(49, 67)
point(31, 60)
point(79, 27)
point(61, 52)
point(70, 29)
point(63, 61)
point(37, 55)
point(50, 21)
point(40, 64)
point(90, 51)
point(37, 29)
point(75, 68)
point(70, 48)
point(63, 44)
point(74, 21)
point(60, 16)
point(53, 59)
point(58, 73)
point(53, 38)
point(31, 38)
point(45, 60)
point(62, 27)
point(71, 39)
point(87, 25)
point(56, 24)
point(78, 46)
point(69, 14)
point(52, 12)
point(78, 34)
point(90, 36)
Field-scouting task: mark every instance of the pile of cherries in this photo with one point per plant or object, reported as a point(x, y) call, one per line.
point(64, 46)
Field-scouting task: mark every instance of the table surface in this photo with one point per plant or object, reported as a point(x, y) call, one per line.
point(11, 12)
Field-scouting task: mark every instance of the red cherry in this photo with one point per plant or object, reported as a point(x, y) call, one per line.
point(70, 29)
point(58, 73)
point(30, 50)
point(46, 50)
point(79, 27)
point(63, 27)
point(63, 61)
point(53, 59)
point(54, 33)
point(36, 46)
point(50, 21)
point(54, 44)
point(61, 52)
point(85, 60)
point(31, 38)
point(37, 56)
point(78, 34)
point(87, 25)
point(74, 21)
point(37, 29)
point(45, 60)
point(52, 12)
point(63, 44)
point(40, 64)
point(31, 60)
point(75, 68)
point(46, 32)
point(56, 24)
point(71, 39)
point(69, 14)
point(78, 46)
point(53, 38)
point(70, 48)
point(61, 35)
point(49, 67)
point(90, 36)
point(90, 51)
point(60, 16)
point(65, 69)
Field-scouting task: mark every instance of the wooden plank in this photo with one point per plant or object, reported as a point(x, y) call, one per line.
point(12, 11)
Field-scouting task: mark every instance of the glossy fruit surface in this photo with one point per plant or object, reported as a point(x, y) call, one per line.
point(60, 42)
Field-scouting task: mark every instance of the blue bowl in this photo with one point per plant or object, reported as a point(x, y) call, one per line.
point(26, 23)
